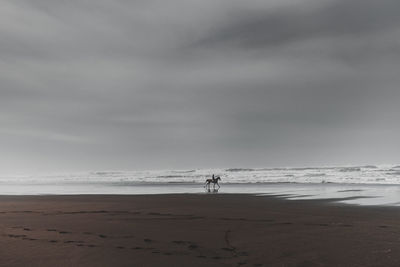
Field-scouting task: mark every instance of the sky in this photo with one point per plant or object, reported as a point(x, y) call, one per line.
point(182, 84)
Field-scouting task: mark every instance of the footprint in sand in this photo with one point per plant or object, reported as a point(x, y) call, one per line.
point(30, 239)
point(193, 246)
point(243, 254)
point(180, 242)
point(16, 236)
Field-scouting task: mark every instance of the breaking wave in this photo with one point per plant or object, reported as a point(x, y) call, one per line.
point(350, 169)
point(369, 174)
point(239, 170)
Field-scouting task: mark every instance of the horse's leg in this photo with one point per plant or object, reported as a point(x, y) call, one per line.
point(218, 185)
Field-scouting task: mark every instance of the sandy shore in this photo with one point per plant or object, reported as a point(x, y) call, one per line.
point(194, 230)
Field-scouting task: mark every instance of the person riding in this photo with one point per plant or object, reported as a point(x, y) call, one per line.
point(214, 179)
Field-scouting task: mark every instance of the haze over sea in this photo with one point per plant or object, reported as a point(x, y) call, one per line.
point(365, 185)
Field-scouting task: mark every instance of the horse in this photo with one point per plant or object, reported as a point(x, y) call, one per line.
point(214, 181)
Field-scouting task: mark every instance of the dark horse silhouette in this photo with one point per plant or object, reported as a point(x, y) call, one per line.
point(214, 181)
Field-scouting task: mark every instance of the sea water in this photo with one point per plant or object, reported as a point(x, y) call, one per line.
point(363, 185)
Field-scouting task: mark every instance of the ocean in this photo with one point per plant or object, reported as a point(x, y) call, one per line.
point(360, 185)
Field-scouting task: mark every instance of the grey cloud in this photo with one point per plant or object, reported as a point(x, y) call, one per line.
point(263, 28)
point(186, 84)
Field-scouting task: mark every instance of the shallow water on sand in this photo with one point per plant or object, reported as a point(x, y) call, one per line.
point(357, 194)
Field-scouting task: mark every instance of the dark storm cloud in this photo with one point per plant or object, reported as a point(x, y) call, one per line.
point(264, 28)
point(176, 84)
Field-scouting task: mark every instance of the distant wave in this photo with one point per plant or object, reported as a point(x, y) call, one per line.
point(170, 176)
point(187, 171)
point(178, 176)
point(315, 174)
point(340, 168)
point(368, 174)
point(299, 168)
point(311, 168)
point(370, 167)
point(240, 170)
point(393, 173)
point(350, 169)
point(108, 173)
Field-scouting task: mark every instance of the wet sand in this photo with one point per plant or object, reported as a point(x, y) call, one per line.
point(194, 230)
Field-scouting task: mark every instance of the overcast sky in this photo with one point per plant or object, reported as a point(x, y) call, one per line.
point(156, 84)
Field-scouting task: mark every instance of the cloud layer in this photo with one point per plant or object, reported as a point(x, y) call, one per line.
point(185, 84)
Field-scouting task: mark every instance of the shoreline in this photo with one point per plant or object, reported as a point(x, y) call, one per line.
point(196, 230)
point(358, 194)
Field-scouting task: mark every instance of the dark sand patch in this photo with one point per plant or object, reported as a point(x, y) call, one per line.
point(191, 230)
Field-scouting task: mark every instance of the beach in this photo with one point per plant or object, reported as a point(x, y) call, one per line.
point(194, 230)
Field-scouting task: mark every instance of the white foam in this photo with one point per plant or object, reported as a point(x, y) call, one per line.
point(340, 175)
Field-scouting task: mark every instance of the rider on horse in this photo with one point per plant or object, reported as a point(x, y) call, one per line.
point(213, 180)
